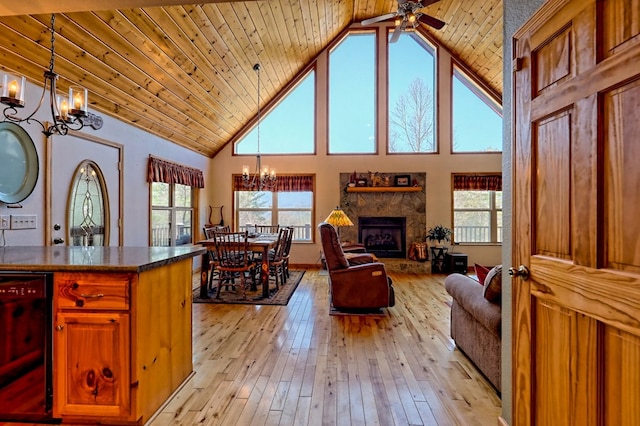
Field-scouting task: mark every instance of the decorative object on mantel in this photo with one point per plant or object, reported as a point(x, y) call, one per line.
point(403, 180)
point(263, 178)
point(66, 113)
point(439, 233)
point(338, 218)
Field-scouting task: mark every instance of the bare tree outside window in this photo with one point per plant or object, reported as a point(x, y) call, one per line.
point(412, 121)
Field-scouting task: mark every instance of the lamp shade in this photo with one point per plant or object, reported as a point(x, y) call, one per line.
point(338, 218)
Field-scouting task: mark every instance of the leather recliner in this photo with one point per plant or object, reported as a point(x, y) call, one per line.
point(356, 281)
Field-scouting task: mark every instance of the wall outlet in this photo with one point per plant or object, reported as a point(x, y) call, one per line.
point(23, 221)
point(5, 221)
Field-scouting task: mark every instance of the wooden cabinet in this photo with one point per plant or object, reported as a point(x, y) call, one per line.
point(92, 345)
point(91, 364)
point(122, 343)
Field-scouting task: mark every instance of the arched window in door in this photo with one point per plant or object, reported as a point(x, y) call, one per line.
point(88, 207)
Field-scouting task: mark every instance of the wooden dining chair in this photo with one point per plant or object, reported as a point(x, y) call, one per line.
point(287, 250)
point(213, 262)
point(278, 259)
point(234, 259)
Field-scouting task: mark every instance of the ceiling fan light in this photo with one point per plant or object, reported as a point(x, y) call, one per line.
point(398, 21)
point(412, 18)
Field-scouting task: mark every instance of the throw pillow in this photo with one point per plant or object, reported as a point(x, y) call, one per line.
point(493, 285)
point(481, 272)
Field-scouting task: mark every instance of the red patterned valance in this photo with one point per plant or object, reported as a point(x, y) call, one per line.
point(287, 183)
point(489, 182)
point(168, 172)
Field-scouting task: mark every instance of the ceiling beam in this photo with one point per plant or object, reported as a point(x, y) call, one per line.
point(34, 7)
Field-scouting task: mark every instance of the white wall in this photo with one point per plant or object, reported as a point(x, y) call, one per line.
point(137, 143)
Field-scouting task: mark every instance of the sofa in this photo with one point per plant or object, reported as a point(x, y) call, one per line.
point(356, 280)
point(476, 320)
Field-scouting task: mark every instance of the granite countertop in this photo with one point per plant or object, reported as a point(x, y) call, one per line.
point(104, 259)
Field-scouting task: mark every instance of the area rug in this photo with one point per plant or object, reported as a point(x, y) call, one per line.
point(280, 297)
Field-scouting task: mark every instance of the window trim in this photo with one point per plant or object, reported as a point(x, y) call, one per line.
point(274, 103)
point(492, 209)
point(173, 210)
point(274, 206)
point(492, 99)
point(436, 111)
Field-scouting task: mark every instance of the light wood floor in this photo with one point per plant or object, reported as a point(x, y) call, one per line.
point(296, 365)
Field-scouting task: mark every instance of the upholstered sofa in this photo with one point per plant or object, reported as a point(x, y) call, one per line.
point(356, 280)
point(476, 320)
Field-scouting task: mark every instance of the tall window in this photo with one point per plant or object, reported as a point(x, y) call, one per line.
point(352, 95)
point(288, 205)
point(411, 95)
point(476, 119)
point(477, 209)
point(171, 214)
point(297, 109)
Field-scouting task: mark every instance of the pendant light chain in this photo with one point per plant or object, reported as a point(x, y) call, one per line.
point(53, 40)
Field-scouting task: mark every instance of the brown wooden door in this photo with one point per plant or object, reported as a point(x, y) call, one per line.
point(576, 222)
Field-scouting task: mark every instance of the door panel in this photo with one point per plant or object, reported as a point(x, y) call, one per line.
point(67, 152)
point(576, 320)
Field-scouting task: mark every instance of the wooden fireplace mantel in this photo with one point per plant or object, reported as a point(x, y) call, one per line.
point(384, 189)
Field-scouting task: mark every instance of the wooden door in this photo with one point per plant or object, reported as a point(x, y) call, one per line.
point(576, 222)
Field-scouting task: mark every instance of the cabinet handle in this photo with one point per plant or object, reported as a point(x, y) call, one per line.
point(92, 296)
point(60, 328)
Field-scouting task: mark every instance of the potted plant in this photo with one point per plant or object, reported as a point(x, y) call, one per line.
point(439, 233)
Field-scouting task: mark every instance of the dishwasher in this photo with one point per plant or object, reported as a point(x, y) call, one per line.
point(26, 391)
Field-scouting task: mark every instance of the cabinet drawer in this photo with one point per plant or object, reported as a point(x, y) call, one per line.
point(92, 291)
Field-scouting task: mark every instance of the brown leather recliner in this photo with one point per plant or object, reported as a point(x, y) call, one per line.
point(356, 281)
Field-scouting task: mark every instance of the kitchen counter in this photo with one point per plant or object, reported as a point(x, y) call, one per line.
point(97, 259)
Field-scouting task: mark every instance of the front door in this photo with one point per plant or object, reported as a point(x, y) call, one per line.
point(576, 222)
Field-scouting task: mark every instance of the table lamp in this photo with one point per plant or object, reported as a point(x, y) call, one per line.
point(338, 218)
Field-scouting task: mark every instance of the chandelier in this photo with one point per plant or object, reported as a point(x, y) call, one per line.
point(263, 178)
point(66, 113)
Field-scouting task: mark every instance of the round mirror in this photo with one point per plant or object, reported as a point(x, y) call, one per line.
point(18, 163)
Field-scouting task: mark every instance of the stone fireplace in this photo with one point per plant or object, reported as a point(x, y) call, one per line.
point(382, 203)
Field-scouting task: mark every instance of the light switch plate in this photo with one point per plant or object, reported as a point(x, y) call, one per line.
point(23, 221)
point(5, 221)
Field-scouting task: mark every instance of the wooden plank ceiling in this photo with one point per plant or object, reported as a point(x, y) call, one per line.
point(184, 72)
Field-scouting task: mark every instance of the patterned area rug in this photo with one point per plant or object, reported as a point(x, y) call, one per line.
point(279, 297)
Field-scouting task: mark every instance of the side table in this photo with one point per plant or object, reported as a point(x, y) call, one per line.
point(437, 258)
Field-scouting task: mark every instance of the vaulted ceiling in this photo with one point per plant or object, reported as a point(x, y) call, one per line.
point(184, 71)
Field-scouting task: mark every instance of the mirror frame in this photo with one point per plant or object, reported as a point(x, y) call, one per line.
point(30, 177)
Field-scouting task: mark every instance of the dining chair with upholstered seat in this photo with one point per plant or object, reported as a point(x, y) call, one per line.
point(233, 259)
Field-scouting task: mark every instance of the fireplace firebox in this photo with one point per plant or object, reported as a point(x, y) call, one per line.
point(383, 236)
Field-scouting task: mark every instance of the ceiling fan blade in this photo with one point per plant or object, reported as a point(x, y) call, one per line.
point(378, 19)
point(431, 21)
point(396, 33)
point(426, 3)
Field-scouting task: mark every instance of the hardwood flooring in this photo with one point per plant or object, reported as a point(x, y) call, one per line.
point(297, 365)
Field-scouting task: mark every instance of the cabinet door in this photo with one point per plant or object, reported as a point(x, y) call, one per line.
point(91, 358)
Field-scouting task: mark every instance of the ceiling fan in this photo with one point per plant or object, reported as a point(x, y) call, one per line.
point(408, 15)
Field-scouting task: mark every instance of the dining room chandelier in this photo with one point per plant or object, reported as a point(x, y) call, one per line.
point(263, 178)
point(66, 113)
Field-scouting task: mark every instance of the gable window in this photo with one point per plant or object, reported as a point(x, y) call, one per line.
point(297, 110)
point(476, 118)
point(352, 95)
point(477, 208)
point(411, 88)
point(172, 202)
point(290, 203)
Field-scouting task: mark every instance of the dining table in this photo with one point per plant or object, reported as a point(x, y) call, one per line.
point(261, 243)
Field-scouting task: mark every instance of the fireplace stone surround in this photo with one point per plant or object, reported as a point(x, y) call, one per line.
point(411, 205)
